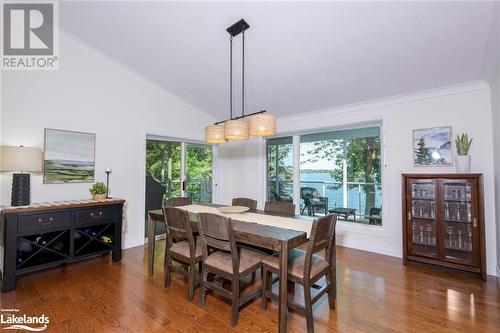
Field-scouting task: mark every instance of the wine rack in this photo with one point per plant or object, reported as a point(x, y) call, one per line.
point(443, 220)
point(35, 238)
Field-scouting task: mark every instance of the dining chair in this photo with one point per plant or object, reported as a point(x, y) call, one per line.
point(182, 247)
point(246, 202)
point(280, 208)
point(180, 201)
point(307, 268)
point(222, 258)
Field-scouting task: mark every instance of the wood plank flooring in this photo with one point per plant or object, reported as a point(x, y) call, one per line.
point(376, 293)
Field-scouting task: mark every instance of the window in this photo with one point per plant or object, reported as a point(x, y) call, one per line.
point(340, 171)
point(280, 169)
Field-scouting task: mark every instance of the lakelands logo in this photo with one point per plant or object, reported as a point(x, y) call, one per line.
point(16, 321)
point(30, 35)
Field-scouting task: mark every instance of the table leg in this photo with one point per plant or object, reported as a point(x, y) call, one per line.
point(151, 244)
point(283, 293)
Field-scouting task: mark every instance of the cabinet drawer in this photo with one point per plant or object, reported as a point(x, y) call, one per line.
point(94, 215)
point(40, 222)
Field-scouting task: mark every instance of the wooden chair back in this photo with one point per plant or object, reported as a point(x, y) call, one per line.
point(322, 238)
point(280, 207)
point(217, 232)
point(180, 201)
point(246, 202)
point(179, 227)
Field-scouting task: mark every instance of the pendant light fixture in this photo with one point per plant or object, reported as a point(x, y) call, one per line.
point(236, 128)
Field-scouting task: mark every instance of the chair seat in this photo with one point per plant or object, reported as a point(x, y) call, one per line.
point(182, 248)
point(296, 259)
point(222, 260)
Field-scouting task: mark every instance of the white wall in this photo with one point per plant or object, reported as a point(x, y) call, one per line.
point(90, 93)
point(495, 106)
point(466, 108)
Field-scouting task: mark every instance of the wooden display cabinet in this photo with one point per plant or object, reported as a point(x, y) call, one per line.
point(443, 221)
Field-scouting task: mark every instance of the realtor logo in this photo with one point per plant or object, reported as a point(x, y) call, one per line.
point(30, 36)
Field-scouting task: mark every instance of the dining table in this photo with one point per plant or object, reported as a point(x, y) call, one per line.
point(258, 228)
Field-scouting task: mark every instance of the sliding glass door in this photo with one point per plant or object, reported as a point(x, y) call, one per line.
point(198, 185)
point(174, 169)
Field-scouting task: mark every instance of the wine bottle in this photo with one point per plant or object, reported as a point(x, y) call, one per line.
point(106, 239)
point(59, 246)
point(90, 232)
point(19, 257)
point(40, 240)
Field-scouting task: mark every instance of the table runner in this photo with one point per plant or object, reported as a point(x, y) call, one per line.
point(271, 220)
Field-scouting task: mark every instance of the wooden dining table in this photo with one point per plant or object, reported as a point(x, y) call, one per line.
point(279, 239)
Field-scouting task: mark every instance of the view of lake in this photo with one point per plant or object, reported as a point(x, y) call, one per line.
point(324, 183)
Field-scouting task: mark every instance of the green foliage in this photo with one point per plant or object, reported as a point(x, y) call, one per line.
point(362, 158)
point(463, 144)
point(198, 163)
point(422, 153)
point(280, 170)
point(98, 188)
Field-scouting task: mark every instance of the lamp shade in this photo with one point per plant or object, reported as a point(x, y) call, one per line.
point(214, 134)
point(236, 130)
point(16, 159)
point(263, 124)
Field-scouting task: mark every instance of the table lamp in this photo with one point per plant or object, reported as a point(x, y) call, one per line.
point(20, 160)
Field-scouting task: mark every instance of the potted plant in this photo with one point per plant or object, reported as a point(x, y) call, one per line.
point(98, 191)
point(463, 143)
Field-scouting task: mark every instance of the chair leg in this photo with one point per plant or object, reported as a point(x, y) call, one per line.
point(332, 288)
point(168, 271)
point(191, 281)
point(265, 281)
point(235, 302)
point(203, 289)
point(308, 309)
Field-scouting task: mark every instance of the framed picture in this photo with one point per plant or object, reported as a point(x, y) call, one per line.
point(432, 147)
point(69, 157)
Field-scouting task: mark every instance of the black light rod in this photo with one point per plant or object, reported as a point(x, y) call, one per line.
point(240, 117)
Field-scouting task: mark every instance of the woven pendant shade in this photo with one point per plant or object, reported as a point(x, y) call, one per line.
point(263, 124)
point(236, 130)
point(214, 134)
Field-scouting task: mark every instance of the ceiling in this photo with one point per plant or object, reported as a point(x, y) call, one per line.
point(300, 56)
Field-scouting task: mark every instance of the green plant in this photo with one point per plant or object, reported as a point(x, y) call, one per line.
point(98, 188)
point(463, 144)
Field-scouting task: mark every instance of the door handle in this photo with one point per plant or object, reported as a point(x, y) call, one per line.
point(474, 222)
point(409, 216)
point(184, 186)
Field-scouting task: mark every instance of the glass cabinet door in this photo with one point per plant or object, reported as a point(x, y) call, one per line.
point(460, 222)
point(422, 218)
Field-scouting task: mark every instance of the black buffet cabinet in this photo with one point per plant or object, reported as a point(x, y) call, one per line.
point(42, 236)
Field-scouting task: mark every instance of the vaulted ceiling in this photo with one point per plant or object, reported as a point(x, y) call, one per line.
point(300, 56)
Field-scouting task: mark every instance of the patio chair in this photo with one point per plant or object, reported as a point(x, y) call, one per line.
point(313, 201)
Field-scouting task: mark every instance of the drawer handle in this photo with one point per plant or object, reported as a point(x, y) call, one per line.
point(94, 216)
point(42, 222)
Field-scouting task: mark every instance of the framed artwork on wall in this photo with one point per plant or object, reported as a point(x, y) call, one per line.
point(432, 147)
point(69, 157)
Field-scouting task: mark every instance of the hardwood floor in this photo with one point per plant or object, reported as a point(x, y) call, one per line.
point(375, 294)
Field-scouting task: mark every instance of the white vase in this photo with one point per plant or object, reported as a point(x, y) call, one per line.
point(463, 163)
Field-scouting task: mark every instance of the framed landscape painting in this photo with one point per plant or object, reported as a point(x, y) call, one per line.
point(69, 157)
point(432, 147)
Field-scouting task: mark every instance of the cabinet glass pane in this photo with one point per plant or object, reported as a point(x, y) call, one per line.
point(423, 217)
point(458, 220)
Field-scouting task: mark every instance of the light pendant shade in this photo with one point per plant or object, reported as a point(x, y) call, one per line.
point(263, 124)
point(236, 130)
point(214, 134)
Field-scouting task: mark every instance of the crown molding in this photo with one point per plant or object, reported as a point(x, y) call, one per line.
point(391, 100)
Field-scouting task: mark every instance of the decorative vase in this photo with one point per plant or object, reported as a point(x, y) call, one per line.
point(99, 197)
point(463, 163)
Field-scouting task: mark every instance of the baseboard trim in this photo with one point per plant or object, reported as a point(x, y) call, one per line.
point(370, 247)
